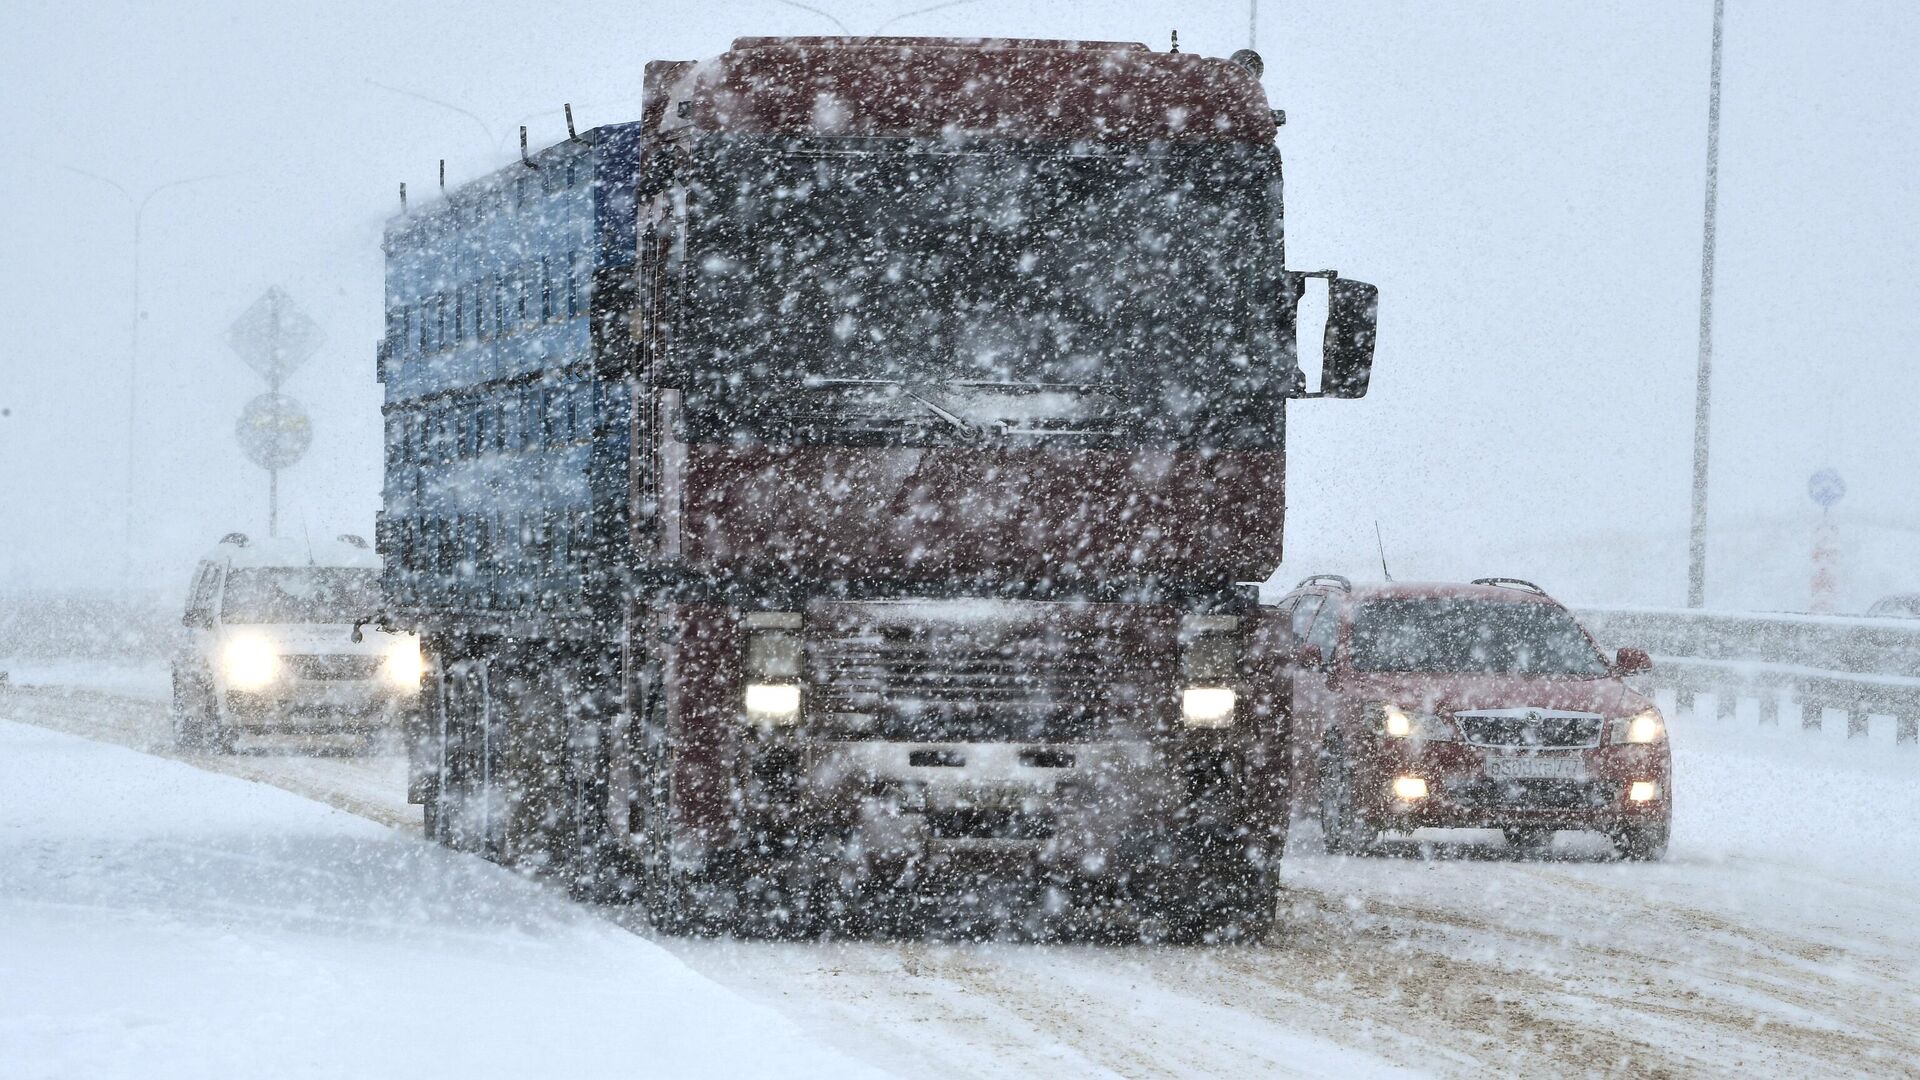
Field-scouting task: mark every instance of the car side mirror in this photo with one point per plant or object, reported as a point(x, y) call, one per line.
point(1632, 662)
point(1346, 355)
point(1311, 658)
point(197, 620)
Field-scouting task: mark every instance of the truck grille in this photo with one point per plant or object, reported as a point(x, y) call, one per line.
point(332, 666)
point(983, 682)
point(981, 824)
point(1530, 728)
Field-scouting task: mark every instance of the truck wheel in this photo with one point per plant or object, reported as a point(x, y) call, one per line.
point(1221, 905)
point(1343, 829)
point(1642, 843)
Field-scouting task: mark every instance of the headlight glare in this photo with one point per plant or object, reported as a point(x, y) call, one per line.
point(1399, 723)
point(250, 662)
point(1645, 726)
point(773, 703)
point(403, 665)
point(1208, 706)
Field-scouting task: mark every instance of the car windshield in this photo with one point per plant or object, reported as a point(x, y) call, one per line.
point(962, 294)
point(305, 594)
point(1472, 636)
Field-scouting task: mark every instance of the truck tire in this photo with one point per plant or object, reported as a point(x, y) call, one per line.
point(430, 817)
point(1345, 831)
point(1642, 843)
point(1238, 909)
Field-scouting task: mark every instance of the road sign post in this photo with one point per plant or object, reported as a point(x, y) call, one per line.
point(274, 338)
point(1825, 488)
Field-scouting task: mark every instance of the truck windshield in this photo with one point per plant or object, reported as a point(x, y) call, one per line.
point(967, 294)
point(304, 594)
point(1472, 636)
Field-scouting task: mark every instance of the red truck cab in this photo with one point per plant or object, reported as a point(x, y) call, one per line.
point(1484, 705)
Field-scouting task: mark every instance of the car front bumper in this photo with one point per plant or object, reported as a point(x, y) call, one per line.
point(1484, 787)
point(355, 705)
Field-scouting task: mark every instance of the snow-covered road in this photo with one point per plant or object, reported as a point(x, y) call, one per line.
point(1781, 938)
point(160, 921)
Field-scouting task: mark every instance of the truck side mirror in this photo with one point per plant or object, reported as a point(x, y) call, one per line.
point(1311, 658)
point(1346, 364)
point(1352, 312)
point(197, 620)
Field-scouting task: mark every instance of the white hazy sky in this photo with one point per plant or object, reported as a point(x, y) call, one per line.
point(1522, 179)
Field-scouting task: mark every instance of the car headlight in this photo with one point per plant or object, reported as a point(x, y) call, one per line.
point(250, 662)
point(773, 703)
point(1398, 723)
point(403, 666)
point(1645, 726)
point(1208, 706)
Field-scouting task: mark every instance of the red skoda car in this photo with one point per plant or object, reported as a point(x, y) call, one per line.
point(1470, 706)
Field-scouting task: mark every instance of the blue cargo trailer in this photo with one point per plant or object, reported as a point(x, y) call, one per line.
point(506, 396)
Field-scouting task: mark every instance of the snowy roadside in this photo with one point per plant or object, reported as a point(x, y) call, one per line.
point(157, 920)
point(148, 680)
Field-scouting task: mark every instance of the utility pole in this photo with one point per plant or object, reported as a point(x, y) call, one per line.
point(138, 204)
point(1703, 376)
point(1253, 25)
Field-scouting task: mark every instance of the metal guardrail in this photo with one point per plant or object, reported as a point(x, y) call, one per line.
point(1857, 665)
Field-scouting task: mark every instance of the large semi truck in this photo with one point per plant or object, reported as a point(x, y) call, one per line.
point(846, 481)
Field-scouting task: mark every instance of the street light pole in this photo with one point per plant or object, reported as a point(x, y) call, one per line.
point(139, 204)
point(1703, 375)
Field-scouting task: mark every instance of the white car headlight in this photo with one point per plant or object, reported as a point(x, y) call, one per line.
point(1645, 726)
point(250, 662)
point(1208, 706)
point(773, 703)
point(1398, 723)
point(403, 666)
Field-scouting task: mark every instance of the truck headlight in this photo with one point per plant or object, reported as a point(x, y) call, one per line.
point(250, 662)
point(1645, 726)
point(403, 665)
point(1208, 706)
point(773, 662)
point(773, 703)
point(1398, 723)
point(1210, 648)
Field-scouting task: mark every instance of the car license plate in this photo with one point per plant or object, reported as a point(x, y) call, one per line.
point(1536, 768)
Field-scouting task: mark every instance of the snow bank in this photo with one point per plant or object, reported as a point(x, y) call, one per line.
point(160, 921)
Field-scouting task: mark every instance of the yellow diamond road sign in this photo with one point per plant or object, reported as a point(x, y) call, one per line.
point(274, 336)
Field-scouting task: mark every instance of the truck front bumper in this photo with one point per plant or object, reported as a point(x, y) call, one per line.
point(1087, 811)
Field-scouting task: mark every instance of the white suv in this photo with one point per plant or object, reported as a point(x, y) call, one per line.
point(269, 645)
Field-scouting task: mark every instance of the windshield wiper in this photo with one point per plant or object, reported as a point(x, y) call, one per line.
point(925, 398)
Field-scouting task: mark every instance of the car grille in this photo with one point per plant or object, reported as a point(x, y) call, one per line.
point(1530, 729)
point(1530, 794)
point(332, 666)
